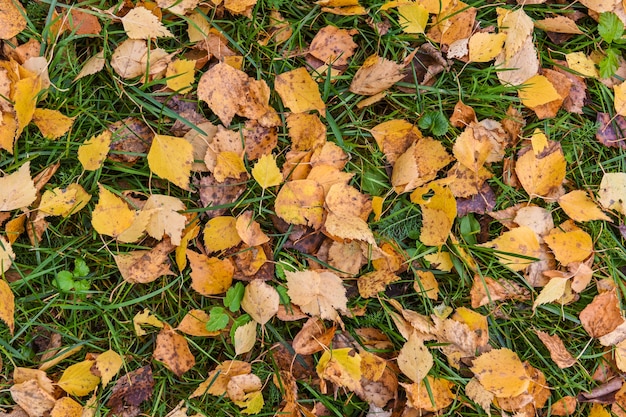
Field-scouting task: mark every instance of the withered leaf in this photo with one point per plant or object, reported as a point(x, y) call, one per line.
point(173, 350)
point(130, 391)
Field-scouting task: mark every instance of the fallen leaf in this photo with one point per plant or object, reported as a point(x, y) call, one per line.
point(412, 17)
point(501, 372)
point(372, 283)
point(313, 337)
point(230, 92)
point(66, 407)
point(564, 406)
point(145, 318)
point(126, 60)
point(210, 276)
point(558, 352)
point(165, 219)
point(172, 349)
point(569, 245)
point(93, 152)
point(342, 367)
point(194, 324)
point(477, 393)
point(260, 301)
point(299, 92)
point(140, 23)
point(317, 293)
point(558, 24)
point(414, 359)
point(17, 190)
point(602, 315)
point(229, 165)
point(541, 175)
point(582, 64)
point(220, 233)
point(333, 46)
point(419, 164)
point(180, 75)
point(377, 74)
point(536, 91)
point(32, 398)
point(93, 65)
point(266, 173)
point(483, 47)
point(394, 137)
point(145, 266)
point(13, 18)
point(519, 240)
point(579, 207)
point(245, 338)
point(52, 123)
point(301, 202)
point(131, 390)
point(486, 290)
point(426, 285)
point(108, 364)
point(78, 380)
point(7, 299)
point(171, 158)
point(436, 397)
point(610, 195)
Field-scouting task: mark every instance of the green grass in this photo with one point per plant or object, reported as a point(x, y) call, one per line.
point(101, 318)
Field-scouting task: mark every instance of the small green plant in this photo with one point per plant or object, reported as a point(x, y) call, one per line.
point(66, 281)
point(611, 30)
point(219, 317)
point(434, 122)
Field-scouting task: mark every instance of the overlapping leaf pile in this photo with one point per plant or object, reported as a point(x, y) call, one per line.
point(311, 206)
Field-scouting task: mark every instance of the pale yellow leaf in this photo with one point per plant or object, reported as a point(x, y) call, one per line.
point(260, 301)
point(140, 23)
point(552, 291)
point(52, 123)
point(17, 190)
point(414, 359)
point(245, 338)
point(92, 153)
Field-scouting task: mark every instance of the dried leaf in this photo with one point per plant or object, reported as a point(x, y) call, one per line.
point(12, 19)
point(7, 300)
point(140, 23)
point(17, 190)
point(501, 372)
point(108, 364)
point(377, 74)
point(414, 359)
point(210, 276)
point(172, 349)
point(602, 315)
point(299, 92)
point(419, 396)
point(66, 407)
point(558, 352)
point(245, 338)
point(194, 324)
point(220, 233)
point(93, 152)
point(52, 123)
point(266, 173)
point(260, 301)
point(171, 158)
point(317, 293)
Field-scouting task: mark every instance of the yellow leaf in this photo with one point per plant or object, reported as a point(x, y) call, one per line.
point(266, 173)
point(432, 394)
point(173, 350)
point(140, 23)
point(171, 158)
point(539, 142)
point(25, 98)
point(52, 123)
point(372, 283)
point(483, 47)
point(581, 63)
point(260, 301)
point(249, 230)
point(301, 202)
point(245, 337)
point(78, 380)
point(145, 266)
point(8, 131)
point(180, 75)
point(58, 201)
point(579, 207)
point(537, 90)
point(377, 207)
point(299, 92)
point(611, 193)
point(252, 404)
point(17, 190)
point(521, 241)
point(194, 324)
point(438, 213)
point(342, 367)
point(228, 165)
point(210, 276)
point(220, 233)
point(111, 216)
point(80, 201)
point(620, 98)
point(414, 359)
point(189, 233)
point(12, 16)
point(412, 17)
point(92, 153)
point(552, 291)
point(440, 260)
point(66, 407)
point(7, 299)
point(108, 363)
point(145, 318)
point(542, 175)
point(426, 285)
point(598, 411)
point(501, 372)
point(570, 246)
point(479, 395)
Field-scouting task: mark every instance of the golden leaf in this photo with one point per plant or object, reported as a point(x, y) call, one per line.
point(220, 233)
point(171, 158)
point(93, 152)
point(52, 123)
point(210, 276)
point(299, 92)
point(266, 173)
point(501, 372)
point(78, 380)
point(108, 364)
point(17, 190)
point(140, 23)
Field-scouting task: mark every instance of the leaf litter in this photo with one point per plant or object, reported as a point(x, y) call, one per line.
point(319, 206)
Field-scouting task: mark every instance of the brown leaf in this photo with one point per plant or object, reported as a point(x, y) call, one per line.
point(333, 46)
point(144, 266)
point(130, 391)
point(558, 352)
point(486, 290)
point(611, 130)
point(259, 140)
point(172, 349)
point(313, 337)
point(32, 397)
point(131, 137)
point(377, 74)
point(602, 315)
